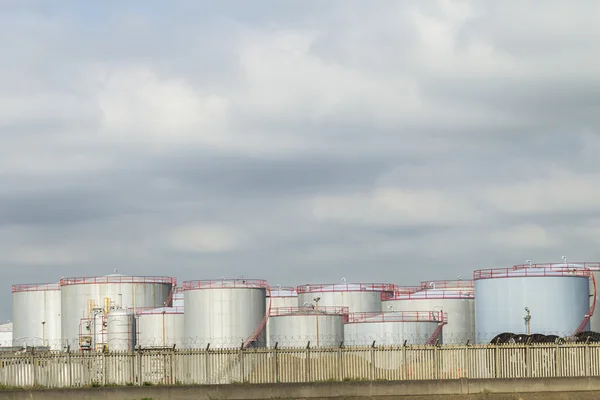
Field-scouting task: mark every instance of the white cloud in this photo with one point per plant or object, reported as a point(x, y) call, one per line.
point(528, 236)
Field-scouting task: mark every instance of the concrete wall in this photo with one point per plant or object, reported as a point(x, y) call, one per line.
point(489, 389)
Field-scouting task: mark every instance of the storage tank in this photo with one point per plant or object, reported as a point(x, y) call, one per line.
point(178, 297)
point(6, 336)
point(282, 296)
point(37, 315)
point(358, 297)
point(391, 328)
point(557, 300)
point(160, 327)
point(458, 305)
point(297, 326)
point(120, 330)
point(458, 285)
point(80, 295)
point(225, 313)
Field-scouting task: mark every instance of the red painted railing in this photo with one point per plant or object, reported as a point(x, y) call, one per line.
point(158, 311)
point(516, 272)
point(396, 316)
point(426, 294)
point(346, 287)
point(452, 284)
point(225, 284)
point(35, 287)
point(593, 266)
point(117, 279)
point(282, 311)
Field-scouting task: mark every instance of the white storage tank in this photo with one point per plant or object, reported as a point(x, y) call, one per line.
point(178, 297)
point(358, 297)
point(6, 336)
point(80, 295)
point(160, 327)
point(557, 300)
point(225, 313)
point(37, 315)
point(458, 305)
point(120, 330)
point(391, 328)
point(282, 296)
point(297, 326)
point(458, 285)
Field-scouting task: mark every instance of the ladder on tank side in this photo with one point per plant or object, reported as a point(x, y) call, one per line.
point(438, 330)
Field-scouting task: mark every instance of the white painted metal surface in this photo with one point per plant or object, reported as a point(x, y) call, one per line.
point(460, 307)
point(37, 315)
point(120, 330)
point(458, 285)
point(6, 334)
point(358, 297)
point(558, 300)
point(224, 313)
point(282, 297)
point(178, 298)
point(297, 326)
point(390, 328)
point(125, 291)
point(160, 327)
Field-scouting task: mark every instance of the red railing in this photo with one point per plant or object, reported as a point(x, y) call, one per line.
point(35, 287)
point(346, 287)
point(590, 313)
point(516, 272)
point(426, 294)
point(282, 311)
point(225, 283)
point(593, 266)
point(117, 279)
point(263, 324)
point(452, 284)
point(284, 291)
point(158, 311)
point(397, 316)
point(399, 291)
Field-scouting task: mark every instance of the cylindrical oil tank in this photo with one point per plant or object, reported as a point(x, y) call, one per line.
point(459, 305)
point(225, 313)
point(358, 297)
point(37, 315)
point(120, 330)
point(99, 329)
point(299, 326)
point(390, 328)
point(557, 300)
point(80, 295)
point(281, 296)
point(458, 285)
point(178, 297)
point(160, 327)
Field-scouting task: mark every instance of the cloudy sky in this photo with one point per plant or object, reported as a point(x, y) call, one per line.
point(296, 141)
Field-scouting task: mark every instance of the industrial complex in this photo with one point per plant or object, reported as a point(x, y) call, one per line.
point(528, 303)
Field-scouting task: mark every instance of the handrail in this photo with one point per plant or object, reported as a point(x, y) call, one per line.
point(157, 310)
point(326, 310)
point(516, 272)
point(345, 287)
point(35, 287)
point(395, 316)
point(592, 266)
point(447, 284)
point(429, 294)
point(225, 284)
point(438, 330)
point(117, 279)
point(590, 313)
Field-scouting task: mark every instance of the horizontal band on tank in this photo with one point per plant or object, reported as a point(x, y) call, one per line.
point(397, 316)
point(281, 311)
point(452, 284)
point(594, 266)
point(346, 287)
point(160, 310)
point(35, 287)
point(517, 272)
point(225, 283)
point(117, 279)
point(429, 294)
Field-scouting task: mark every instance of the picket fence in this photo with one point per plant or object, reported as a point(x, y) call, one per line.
point(173, 367)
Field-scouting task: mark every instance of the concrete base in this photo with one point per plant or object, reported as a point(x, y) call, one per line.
point(489, 389)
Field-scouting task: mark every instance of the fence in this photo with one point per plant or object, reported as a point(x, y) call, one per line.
point(170, 367)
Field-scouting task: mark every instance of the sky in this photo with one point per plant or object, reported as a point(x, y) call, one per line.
point(296, 141)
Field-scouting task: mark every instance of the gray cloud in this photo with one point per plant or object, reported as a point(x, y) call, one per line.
point(302, 143)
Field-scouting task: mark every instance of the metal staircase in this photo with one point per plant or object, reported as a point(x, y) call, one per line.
point(261, 327)
point(438, 330)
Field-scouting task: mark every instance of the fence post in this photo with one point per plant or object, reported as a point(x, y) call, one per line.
point(242, 369)
point(275, 375)
point(341, 362)
point(373, 375)
point(587, 359)
point(404, 362)
point(307, 365)
point(497, 361)
point(33, 367)
point(140, 375)
point(69, 368)
point(557, 364)
point(206, 365)
point(103, 368)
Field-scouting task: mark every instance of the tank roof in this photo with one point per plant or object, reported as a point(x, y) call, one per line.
point(397, 316)
point(35, 287)
point(7, 327)
point(346, 287)
point(519, 271)
point(432, 294)
point(445, 284)
point(116, 278)
point(225, 284)
point(594, 266)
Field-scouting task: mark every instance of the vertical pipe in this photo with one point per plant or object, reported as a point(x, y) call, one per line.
point(317, 320)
